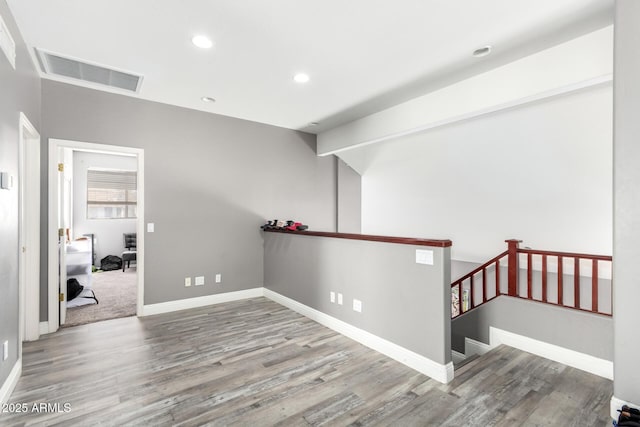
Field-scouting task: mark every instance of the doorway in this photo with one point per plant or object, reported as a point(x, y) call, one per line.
point(29, 230)
point(79, 241)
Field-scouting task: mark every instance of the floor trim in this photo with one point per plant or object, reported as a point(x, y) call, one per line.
point(617, 404)
point(44, 328)
point(424, 365)
point(582, 361)
point(472, 347)
point(457, 357)
point(185, 304)
point(11, 382)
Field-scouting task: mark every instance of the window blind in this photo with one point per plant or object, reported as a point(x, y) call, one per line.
point(111, 194)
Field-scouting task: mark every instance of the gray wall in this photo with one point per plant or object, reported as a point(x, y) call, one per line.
point(403, 302)
point(107, 232)
point(583, 332)
point(210, 182)
point(19, 91)
point(626, 178)
point(349, 199)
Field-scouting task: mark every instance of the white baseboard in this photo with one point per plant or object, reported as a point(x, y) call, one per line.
point(472, 347)
point(11, 382)
point(617, 404)
point(585, 362)
point(184, 304)
point(457, 357)
point(44, 328)
point(424, 365)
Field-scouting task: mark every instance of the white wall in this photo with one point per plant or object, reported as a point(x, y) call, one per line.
point(539, 172)
point(626, 384)
point(108, 232)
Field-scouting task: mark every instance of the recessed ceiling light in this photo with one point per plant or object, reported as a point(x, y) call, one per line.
point(301, 78)
point(207, 99)
point(202, 42)
point(483, 51)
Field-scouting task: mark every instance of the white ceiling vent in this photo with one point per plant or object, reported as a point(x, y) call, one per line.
point(58, 65)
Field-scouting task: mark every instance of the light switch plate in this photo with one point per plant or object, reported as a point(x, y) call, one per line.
point(5, 350)
point(424, 257)
point(199, 280)
point(218, 278)
point(151, 227)
point(340, 299)
point(6, 181)
point(332, 296)
point(187, 281)
point(357, 305)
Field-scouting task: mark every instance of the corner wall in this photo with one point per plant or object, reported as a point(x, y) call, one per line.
point(626, 206)
point(403, 302)
point(540, 173)
point(210, 182)
point(19, 92)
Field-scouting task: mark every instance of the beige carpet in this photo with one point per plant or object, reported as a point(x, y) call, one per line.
point(117, 293)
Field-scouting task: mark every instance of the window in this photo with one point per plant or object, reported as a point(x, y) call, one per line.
point(111, 194)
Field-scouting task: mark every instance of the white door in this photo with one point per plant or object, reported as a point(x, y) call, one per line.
point(64, 186)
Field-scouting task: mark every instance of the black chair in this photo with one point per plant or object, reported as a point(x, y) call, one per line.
point(130, 241)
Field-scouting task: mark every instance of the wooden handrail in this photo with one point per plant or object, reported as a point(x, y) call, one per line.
point(482, 267)
point(566, 254)
point(461, 309)
point(513, 274)
point(369, 237)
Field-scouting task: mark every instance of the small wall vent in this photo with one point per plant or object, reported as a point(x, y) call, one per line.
point(7, 44)
point(59, 65)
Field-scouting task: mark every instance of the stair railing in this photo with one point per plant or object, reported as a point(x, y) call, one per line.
point(589, 273)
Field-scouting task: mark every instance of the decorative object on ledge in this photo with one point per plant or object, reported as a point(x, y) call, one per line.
point(278, 224)
point(373, 238)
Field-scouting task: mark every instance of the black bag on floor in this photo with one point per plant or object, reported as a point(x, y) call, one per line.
point(73, 288)
point(629, 417)
point(111, 262)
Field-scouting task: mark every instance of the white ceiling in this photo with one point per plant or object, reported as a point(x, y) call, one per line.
point(362, 55)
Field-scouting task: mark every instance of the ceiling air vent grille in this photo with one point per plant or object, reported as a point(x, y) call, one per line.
point(58, 65)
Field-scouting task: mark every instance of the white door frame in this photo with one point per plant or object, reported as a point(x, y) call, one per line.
point(29, 230)
point(54, 145)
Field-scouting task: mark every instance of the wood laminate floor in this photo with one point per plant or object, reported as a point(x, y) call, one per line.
point(256, 363)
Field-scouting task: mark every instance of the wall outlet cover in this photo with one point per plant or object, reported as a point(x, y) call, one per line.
point(357, 305)
point(5, 350)
point(199, 280)
point(332, 296)
point(187, 281)
point(218, 278)
point(151, 227)
point(340, 299)
point(424, 257)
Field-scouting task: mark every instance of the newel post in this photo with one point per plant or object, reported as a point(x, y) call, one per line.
point(512, 259)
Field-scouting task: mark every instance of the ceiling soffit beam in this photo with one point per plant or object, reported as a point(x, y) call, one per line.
point(584, 62)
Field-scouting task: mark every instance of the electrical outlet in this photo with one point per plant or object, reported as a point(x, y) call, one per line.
point(218, 278)
point(5, 350)
point(357, 305)
point(187, 281)
point(339, 298)
point(199, 280)
point(332, 296)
